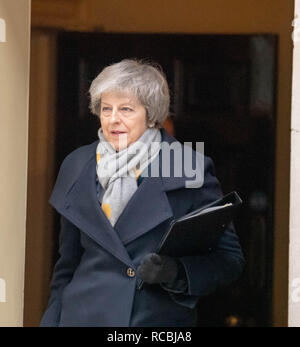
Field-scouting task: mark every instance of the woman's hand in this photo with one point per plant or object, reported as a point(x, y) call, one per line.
point(156, 268)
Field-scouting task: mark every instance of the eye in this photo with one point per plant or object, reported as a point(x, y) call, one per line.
point(105, 111)
point(126, 109)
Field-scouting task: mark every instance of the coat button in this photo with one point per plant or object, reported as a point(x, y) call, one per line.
point(130, 272)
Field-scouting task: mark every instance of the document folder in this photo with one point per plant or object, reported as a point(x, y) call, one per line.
point(199, 231)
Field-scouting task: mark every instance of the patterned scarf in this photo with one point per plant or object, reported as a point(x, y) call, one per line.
point(118, 171)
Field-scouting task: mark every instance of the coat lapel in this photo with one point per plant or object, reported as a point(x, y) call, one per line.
point(148, 207)
point(83, 209)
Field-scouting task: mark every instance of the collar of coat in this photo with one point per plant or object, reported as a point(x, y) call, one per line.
point(74, 196)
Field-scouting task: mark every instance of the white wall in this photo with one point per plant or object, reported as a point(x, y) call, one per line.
point(14, 90)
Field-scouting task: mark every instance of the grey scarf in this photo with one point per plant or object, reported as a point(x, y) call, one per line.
point(118, 171)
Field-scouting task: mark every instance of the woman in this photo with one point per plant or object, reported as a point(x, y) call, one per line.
point(114, 212)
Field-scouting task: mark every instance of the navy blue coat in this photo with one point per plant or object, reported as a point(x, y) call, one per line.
point(94, 281)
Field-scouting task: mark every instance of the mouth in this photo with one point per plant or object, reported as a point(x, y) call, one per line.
point(117, 132)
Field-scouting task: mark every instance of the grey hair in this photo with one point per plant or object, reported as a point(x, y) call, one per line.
point(145, 80)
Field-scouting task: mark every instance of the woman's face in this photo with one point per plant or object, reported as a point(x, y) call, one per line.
point(123, 118)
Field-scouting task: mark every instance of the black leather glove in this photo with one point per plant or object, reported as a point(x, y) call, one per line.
point(156, 268)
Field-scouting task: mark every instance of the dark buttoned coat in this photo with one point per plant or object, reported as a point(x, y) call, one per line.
point(94, 281)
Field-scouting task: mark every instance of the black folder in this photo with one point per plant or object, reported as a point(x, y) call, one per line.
point(199, 231)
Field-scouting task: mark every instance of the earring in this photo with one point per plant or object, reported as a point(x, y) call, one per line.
point(151, 125)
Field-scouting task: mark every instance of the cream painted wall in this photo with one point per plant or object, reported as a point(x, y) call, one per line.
point(294, 264)
point(14, 95)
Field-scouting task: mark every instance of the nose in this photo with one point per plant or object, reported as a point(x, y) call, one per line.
point(115, 116)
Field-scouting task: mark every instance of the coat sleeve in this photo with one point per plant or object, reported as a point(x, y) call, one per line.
point(219, 267)
point(70, 252)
